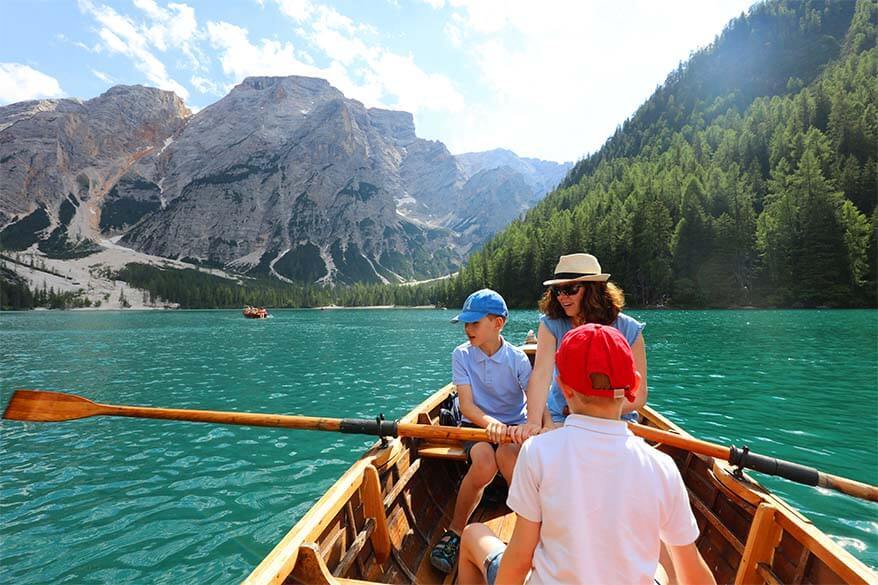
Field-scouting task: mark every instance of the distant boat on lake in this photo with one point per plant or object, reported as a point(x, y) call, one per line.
point(255, 312)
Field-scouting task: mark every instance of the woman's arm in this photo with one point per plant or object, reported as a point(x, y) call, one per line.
point(538, 385)
point(639, 352)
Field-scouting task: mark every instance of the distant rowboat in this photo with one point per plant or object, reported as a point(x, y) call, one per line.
point(379, 521)
point(255, 312)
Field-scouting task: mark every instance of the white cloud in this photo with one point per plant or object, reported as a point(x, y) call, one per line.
point(174, 28)
point(413, 88)
point(298, 10)
point(362, 68)
point(20, 82)
point(103, 77)
point(240, 58)
point(205, 85)
point(120, 35)
point(558, 81)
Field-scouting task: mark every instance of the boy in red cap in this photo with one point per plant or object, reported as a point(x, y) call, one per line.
point(593, 502)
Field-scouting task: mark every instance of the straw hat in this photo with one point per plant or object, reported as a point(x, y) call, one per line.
point(577, 268)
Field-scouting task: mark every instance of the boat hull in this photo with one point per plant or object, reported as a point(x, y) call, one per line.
point(378, 522)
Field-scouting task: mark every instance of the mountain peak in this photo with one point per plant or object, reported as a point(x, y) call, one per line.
point(296, 86)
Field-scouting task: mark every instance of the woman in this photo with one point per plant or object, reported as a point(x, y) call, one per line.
point(579, 293)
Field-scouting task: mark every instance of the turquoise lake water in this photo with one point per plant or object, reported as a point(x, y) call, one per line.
point(118, 500)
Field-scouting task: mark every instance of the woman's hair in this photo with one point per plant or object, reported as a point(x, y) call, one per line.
point(601, 303)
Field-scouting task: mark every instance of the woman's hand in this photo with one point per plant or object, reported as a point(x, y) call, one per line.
point(521, 433)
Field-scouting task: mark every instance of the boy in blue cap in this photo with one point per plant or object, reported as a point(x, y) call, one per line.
point(491, 378)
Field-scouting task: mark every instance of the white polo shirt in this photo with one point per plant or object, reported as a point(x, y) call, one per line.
point(605, 499)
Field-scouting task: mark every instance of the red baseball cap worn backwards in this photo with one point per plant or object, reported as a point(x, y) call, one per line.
point(597, 349)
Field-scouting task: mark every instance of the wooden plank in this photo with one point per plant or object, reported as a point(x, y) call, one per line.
point(734, 518)
point(721, 558)
point(434, 451)
point(352, 526)
point(334, 537)
point(406, 504)
point(310, 568)
point(394, 554)
point(503, 525)
point(849, 568)
point(767, 574)
point(401, 483)
point(786, 555)
point(801, 566)
point(716, 523)
point(373, 505)
point(353, 552)
point(764, 536)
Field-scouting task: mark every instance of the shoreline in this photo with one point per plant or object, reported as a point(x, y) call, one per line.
point(106, 308)
point(167, 308)
point(337, 307)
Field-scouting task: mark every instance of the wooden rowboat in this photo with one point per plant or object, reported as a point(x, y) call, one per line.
point(255, 312)
point(379, 521)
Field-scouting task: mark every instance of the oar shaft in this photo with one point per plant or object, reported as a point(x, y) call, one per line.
point(848, 486)
point(226, 417)
point(675, 440)
point(386, 428)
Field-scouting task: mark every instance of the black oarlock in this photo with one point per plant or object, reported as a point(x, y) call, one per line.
point(362, 426)
point(743, 458)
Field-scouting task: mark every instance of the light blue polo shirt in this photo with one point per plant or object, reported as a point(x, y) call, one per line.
point(498, 382)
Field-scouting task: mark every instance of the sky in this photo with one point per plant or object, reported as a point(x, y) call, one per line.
point(549, 79)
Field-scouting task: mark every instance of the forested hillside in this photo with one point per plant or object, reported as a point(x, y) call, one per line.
point(748, 178)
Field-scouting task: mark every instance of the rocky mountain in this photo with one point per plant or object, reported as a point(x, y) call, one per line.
point(541, 175)
point(284, 176)
point(60, 159)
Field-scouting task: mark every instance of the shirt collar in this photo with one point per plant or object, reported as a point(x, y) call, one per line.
point(495, 357)
point(604, 426)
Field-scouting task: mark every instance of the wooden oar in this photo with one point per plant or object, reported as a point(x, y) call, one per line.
point(768, 465)
point(43, 406)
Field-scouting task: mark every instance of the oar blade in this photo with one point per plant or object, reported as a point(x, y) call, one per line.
point(44, 406)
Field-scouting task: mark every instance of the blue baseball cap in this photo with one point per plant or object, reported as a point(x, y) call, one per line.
point(481, 303)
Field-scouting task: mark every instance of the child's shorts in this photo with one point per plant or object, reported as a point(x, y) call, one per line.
point(467, 445)
point(492, 563)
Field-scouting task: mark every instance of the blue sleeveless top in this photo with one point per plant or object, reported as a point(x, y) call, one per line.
point(629, 327)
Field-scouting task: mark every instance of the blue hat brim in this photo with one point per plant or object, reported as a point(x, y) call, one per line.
point(469, 316)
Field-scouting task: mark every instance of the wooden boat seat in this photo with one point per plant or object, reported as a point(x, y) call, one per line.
point(440, 451)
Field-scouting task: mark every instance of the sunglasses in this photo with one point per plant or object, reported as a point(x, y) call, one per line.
point(566, 291)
